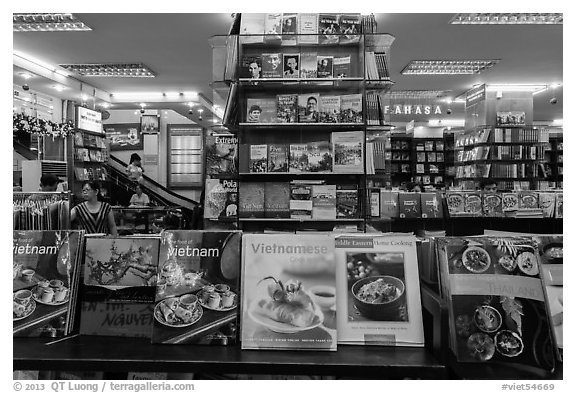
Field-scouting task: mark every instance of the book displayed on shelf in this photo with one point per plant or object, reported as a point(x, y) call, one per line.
point(325, 66)
point(329, 109)
point(323, 202)
point(251, 67)
point(198, 288)
point(378, 291)
point(348, 152)
point(510, 202)
point(528, 199)
point(319, 157)
point(289, 29)
point(221, 198)
point(389, 204)
point(261, 110)
point(298, 157)
point(473, 203)
point(252, 27)
point(547, 202)
point(351, 108)
point(511, 118)
point(300, 200)
point(277, 200)
point(271, 65)
point(287, 108)
point(328, 29)
point(119, 271)
point(291, 65)
point(409, 204)
point(308, 108)
point(347, 201)
point(308, 64)
point(288, 292)
point(272, 28)
point(258, 158)
point(251, 200)
point(432, 206)
point(307, 29)
point(496, 301)
point(46, 272)
point(350, 28)
point(278, 158)
point(341, 67)
point(559, 205)
point(221, 155)
point(455, 202)
point(492, 205)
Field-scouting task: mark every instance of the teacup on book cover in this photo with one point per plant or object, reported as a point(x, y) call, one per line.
point(45, 278)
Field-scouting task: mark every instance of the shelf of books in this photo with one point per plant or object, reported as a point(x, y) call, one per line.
point(554, 166)
point(90, 154)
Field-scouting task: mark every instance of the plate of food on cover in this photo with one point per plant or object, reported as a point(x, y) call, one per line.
point(287, 308)
point(20, 311)
point(481, 346)
point(51, 296)
point(527, 263)
point(487, 319)
point(508, 263)
point(169, 312)
point(476, 259)
point(217, 301)
point(508, 343)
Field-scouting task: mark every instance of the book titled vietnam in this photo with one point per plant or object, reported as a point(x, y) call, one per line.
point(197, 295)
point(252, 27)
point(286, 108)
point(277, 200)
point(301, 201)
point(119, 274)
point(261, 110)
point(271, 65)
point(496, 301)
point(221, 198)
point(378, 291)
point(347, 201)
point(46, 271)
point(298, 158)
point(288, 292)
point(319, 156)
point(350, 27)
point(351, 108)
point(251, 67)
point(328, 29)
point(308, 107)
point(329, 111)
point(389, 207)
point(323, 202)
point(250, 200)
point(409, 205)
point(325, 67)
point(258, 158)
point(348, 152)
point(221, 155)
point(431, 205)
point(277, 158)
point(307, 29)
point(492, 205)
point(308, 65)
point(341, 67)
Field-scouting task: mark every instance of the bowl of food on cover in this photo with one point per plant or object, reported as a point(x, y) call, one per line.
point(481, 346)
point(487, 318)
point(527, 263)
point(508, 343)
point(476, 259)
point(553, 253)
point(508, 263)
point(378, 297)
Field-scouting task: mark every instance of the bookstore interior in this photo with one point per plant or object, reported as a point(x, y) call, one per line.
point(266, 196)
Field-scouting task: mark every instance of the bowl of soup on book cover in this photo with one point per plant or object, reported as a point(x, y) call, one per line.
point(379, 297)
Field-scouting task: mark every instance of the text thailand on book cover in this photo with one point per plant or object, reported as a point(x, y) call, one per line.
point(288, 292)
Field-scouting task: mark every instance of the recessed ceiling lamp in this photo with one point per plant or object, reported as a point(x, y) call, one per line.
point(25, 75)
point(396, 94)
point(447, 67)
point(47, 22)
point(117, 70)
point(508, 19)
point(59, 87)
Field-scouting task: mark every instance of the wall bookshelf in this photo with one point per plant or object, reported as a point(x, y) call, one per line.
point(91, 152)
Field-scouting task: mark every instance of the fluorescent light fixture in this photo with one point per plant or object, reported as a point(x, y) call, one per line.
point(112, 70)
point(448, 67)
point(47, 22)
point(508, 19)
point(397, 94)
point(105, 105)
point(446, 123)
point(191, 94)
point(59, 87)
point(25, 75)
point(535, 89)
point(172, 94)
point(147, 96)
point(558, 122)
point(41, 63)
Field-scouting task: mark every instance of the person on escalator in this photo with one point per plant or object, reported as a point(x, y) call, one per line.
point(139, 199)
point(134, 170)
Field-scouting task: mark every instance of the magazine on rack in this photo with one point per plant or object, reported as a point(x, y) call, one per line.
point(288, 292)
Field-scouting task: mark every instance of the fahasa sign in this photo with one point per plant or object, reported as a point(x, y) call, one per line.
point(412, 110)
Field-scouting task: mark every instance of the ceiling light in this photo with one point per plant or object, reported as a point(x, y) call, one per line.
point(396, 94)
point(40, 63)
point(508, 19)
point(118, 70)
point(535, 89)
point(59, 87)
point(47, 22)
point(105, 105)
point(447, 67)
point(84, 97)
point(25, 75)
point(558, 122)
point(446, 122)
point(142, 105)
point(200, 110)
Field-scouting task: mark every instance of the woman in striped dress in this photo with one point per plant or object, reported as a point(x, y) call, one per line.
point(93, 215)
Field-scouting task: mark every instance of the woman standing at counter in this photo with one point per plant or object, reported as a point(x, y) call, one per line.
point(93, 216)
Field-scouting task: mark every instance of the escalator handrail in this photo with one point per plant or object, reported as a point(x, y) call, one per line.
point(156, 184)
point(24, 151)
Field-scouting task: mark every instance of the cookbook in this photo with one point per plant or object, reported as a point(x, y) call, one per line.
point(378, 291)
point(288, 292)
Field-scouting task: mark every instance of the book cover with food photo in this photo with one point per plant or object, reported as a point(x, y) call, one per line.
point(197, 288)
point(45, 282)
point(288, 292)
point(378, 291)
point(496, 301)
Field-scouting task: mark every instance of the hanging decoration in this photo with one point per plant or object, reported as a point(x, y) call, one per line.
point(34, 125)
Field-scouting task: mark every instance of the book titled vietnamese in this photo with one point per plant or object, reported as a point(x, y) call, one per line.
point(301, 201)
point(277, 199)
point(287, 108)
point(273, 28)
point(119, 275)
point(288, 292)
point(350, 27)
point(348, 152)
point(492, 205)
point(319, 157)
point(325, 67)
point(347, 201)
point(298, 158)
point(431, 205)
point(323, 202)
point(251, 200)
point(252, 27)
point(341, 67)
point(378, 291)
point(221, 198)
point(496, 302)
point(307, 28)
point(46, 271)
point(278, 158)
point(409, 204)
point(221, 155)
point(258, 158)
point(328, 29)
point(389, 207)
point(261, 110)
point(308, 64)
point(198, 293)
point(251, 67)
point(329, 109)
point(289, 29)
point(308, 108)
point(351, 108)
